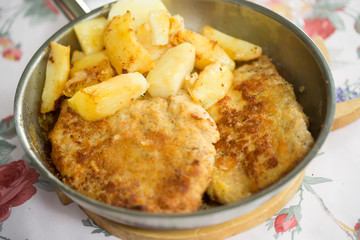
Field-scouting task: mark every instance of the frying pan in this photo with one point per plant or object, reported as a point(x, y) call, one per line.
point(296, 56)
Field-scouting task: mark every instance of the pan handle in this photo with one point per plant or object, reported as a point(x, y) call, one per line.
point(72, 8)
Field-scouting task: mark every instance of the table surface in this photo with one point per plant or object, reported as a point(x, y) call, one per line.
point(327, 205)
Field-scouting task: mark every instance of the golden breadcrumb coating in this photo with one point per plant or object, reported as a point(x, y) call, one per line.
point(156, 155)
point(263, 133)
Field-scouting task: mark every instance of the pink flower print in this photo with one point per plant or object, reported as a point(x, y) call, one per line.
point(51, 6)
point(319, 27)
point(275, 2)
point(5, 42)
point(283, 225)
point(12, 53)
point(16, 186)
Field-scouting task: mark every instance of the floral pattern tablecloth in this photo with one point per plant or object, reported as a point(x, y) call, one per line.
point(327, 205)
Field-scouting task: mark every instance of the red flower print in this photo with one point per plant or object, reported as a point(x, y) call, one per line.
point(16, 186)
point(12, 53)
point(357, 230)
point(319, 27)
point(357, 226)
point(283, 225)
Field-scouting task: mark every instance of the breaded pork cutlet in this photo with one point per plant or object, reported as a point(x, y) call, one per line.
point(155, 155)
point(263, 133)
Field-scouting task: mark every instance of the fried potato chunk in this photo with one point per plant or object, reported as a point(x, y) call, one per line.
point(88, 76)
point(106, 98)
point(87, 61)
point(211, 85)
point(91, 34)
point(176, 24)
point(169, 74)
point(207, 52)
point(76, 55)
point(125, 52)
point(57, 72)
point(160, 25)
point(236, 48)
point(140, 9)
point(143, 35)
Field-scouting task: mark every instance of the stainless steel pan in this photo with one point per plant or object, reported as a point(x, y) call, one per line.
point(295, 54)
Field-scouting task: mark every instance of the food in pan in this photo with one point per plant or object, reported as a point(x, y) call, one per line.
point(156, 155)
point(160, 117)
point(263, 132)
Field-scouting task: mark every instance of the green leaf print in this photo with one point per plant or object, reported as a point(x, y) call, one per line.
point(332, 5)
point(97, 230)
point(38, 10)
point(315, 180)
point(87, 223)
point(357, 23)
point(5, 150)
point(7, 128)
point(336, 21)
point(2, 237)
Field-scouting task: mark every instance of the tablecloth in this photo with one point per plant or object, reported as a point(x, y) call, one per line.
point(326, 206)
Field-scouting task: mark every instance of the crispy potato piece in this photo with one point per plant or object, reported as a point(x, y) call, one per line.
point(139, 9)
point(143, 35)
point(176, 24)
point(207, 52)
point(159, 25)
point(89, 76)
point(91, 34)
point(212, 84)
point(125, 53)
point(76, 55)
point(87, 61)
point(189, 80)
point(168, 76)
point(237, 49)
point(106, 98)
point(57, 72)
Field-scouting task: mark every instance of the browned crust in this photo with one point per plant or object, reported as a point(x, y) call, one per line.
point(156, 155)
point(263, 132)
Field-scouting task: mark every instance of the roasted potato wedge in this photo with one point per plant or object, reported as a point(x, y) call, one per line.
point(91, 34)
point(189, 80)
point(125, 52)
point(168, 76)
point(212, 84)
point(87, 61)
point(176, 24)
point(76, 55)
point(57, 72)
point(143, 35)
point(207, 51)
point(106, 98)
point(160, 25)
point(237, 49)
point(88, 76)
point(140, 9)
